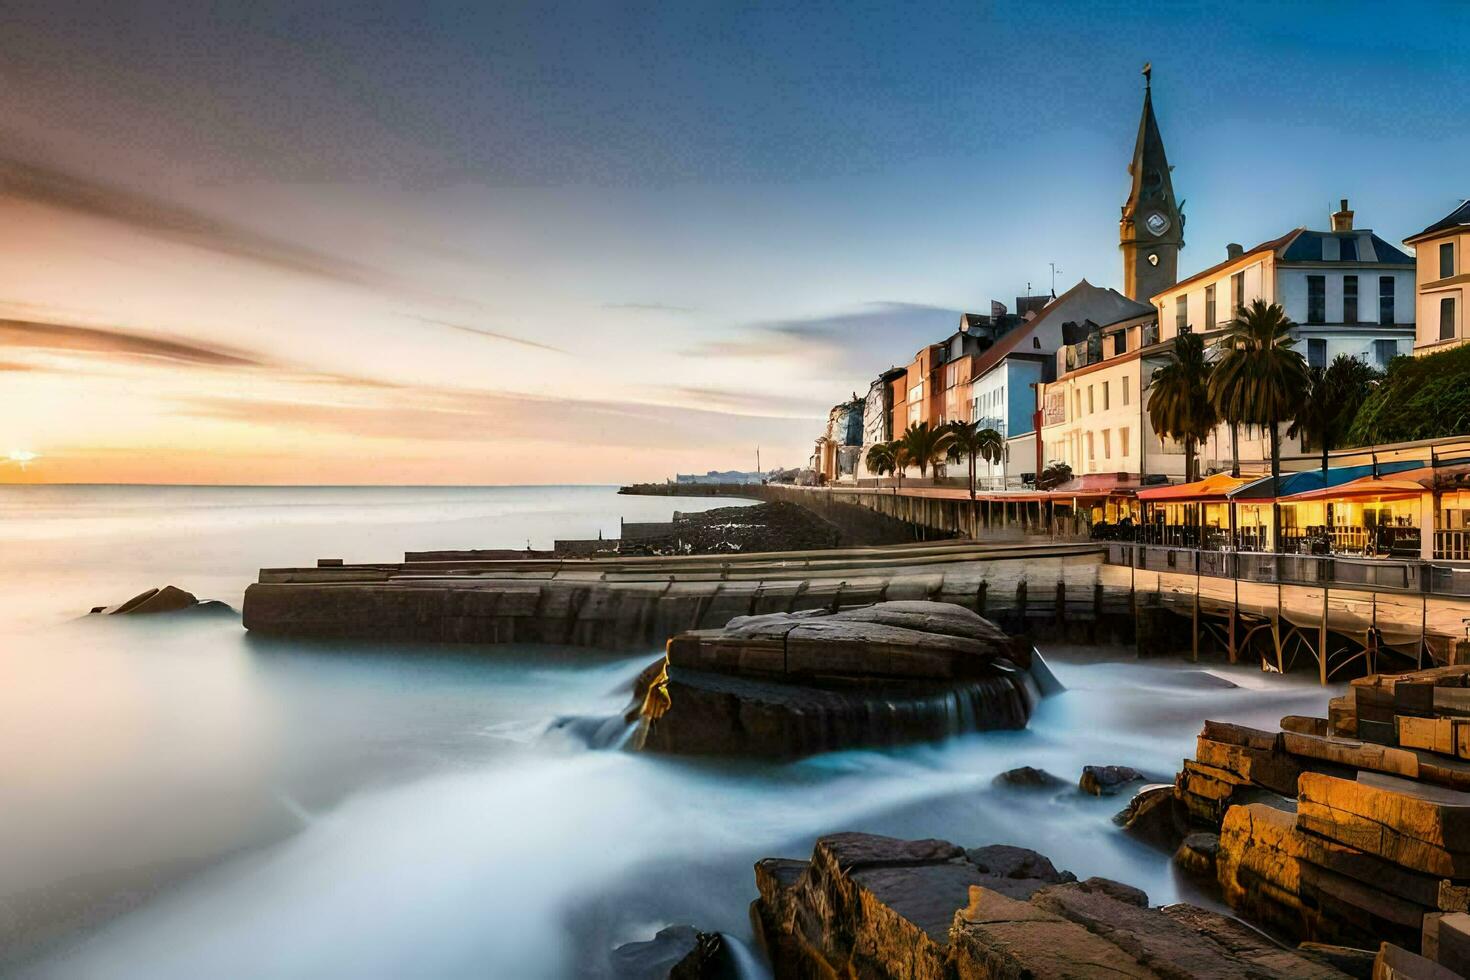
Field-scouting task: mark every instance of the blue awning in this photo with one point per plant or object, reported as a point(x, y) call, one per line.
point(1288, 484)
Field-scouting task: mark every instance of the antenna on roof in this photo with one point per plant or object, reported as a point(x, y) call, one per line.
point(1054, 271)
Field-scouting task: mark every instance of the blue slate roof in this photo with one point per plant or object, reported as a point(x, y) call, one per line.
point(1456, 218)
point(1292, 483)
point(1307, 247)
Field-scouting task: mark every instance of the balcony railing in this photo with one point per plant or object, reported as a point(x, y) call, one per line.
point(1333, 571)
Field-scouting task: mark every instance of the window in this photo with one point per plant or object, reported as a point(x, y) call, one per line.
point(1447, 260)
point(1447, 318)
point(1035, 341)
point(1120, 343)
point(1385, 300)
point(1090, 406)
point(1123, 439)
point(1385, 351)
point(1349, 299)
point(1090, 455)
point(1316, 352)
point(1316, 299)
point(1125, 394)
point(1077, 404)
point(1181, 314)
point(1237, 292)
point(1210, 307)
point(1107, 444)
point(1348, 250)
point(1105, 396)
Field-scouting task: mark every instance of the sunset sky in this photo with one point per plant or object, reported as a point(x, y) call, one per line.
point(596, 242)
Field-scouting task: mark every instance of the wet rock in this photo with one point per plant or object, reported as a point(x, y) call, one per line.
point(1008, 861)
point(1357, 963)
point(167, 599)
point(1396, 963)
point(676, 953)
point(1029, 776)
point(790, 684)
point(1155, 815)
point(1196, 855)
point(1108, 780)
point(867, 906)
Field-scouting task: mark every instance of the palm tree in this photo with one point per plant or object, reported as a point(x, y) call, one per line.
point(925, 446)
point(969, 441)
point(1261, 377)
point(880, 461)
point(1331, 401)
point(1179, 405)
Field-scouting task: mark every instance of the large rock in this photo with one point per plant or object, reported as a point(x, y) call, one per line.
point(789, 684)
point(675, 953)
point(867, 906)
point(167, 599)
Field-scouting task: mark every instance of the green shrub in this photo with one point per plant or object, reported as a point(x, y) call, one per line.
point(1421, 398)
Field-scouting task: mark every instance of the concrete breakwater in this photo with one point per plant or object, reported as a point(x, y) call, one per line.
point(872, 515)
point(1054, 590)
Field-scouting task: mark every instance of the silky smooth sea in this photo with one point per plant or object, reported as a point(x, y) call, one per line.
point(180, 800)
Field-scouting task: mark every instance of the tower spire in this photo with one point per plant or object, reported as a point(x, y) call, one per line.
point(1151, 231)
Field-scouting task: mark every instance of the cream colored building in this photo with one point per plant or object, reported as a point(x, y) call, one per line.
point(1347, 290)
point(1443, 272)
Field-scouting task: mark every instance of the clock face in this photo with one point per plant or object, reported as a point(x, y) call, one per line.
point(1156, 223)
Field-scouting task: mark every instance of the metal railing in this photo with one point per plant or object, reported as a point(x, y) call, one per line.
point(1333, 571)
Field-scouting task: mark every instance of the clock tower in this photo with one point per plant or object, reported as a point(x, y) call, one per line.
point(1151, 232)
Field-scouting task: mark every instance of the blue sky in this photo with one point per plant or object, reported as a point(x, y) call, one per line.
point(593, 242)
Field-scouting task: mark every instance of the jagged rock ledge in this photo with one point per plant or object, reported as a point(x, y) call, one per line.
point(1327, 837)
point(870, 906)
point(790, 684)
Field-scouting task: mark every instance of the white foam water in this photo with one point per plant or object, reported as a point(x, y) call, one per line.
point(183, 800)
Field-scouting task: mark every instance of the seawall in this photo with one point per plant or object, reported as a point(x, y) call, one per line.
point(1052, 590)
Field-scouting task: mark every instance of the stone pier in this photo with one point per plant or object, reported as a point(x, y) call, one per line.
point(1052, 590)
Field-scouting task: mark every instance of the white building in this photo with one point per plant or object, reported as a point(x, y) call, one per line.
point(1347, 290)
point(1007, 377)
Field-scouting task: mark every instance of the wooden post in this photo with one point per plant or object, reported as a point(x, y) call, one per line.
point(1322, 639)
point(1231, 651)
point(1194, 639)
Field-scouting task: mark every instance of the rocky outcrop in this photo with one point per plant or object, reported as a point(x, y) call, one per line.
point(1108, 780)
point(790, 684)
point(166, 599)
point(1029, 777)
point(868, 906)
point(675, 953)
point(1344, 839)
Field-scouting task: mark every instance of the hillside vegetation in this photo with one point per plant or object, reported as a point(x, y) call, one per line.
point(1421, 398)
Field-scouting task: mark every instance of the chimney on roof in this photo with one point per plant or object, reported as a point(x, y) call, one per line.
point(1233, 251)
point(1342, 218)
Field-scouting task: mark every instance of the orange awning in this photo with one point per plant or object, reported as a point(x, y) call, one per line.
point(1399, 486)
point(1210, 489)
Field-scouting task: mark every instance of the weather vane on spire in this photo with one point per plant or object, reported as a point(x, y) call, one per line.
point(1148, 74)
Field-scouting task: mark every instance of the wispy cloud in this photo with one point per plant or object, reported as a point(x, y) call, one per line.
point(426, 415)
point(845, 339)
point(491, 334)
point(162, 219)
point(749, 402)
point(115, 341)
point(649, 307)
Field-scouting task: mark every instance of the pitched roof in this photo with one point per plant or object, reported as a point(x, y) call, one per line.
point(1275, 243)
point(1085, 299)
point(1455, 219)
point(1352, 246)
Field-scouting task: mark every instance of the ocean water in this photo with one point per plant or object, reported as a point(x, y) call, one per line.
point(183, 800)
